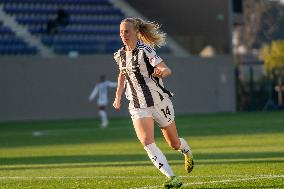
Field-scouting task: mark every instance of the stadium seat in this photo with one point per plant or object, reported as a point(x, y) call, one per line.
point(92, 24)
point(10, 44)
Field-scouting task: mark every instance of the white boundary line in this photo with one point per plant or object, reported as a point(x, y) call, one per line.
point(220, 181)
point(74, 177)
point(139, 177)
point(113, 177)
point(56, 132)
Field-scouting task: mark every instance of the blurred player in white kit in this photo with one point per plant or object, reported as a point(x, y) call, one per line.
point(101, 92)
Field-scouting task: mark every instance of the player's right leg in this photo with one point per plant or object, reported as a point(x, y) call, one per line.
point(144, 127)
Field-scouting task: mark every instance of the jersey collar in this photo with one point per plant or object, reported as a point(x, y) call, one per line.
point(139, 45)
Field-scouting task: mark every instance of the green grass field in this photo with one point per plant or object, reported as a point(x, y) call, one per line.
point(243, 150)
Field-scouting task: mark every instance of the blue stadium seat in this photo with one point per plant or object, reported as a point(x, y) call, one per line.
point(5, 30)
point(93, 25)
point(73, 20)
point(74, 31)
point(53, 10)
point(10, 44)
point(17, 50)
point(59, 2)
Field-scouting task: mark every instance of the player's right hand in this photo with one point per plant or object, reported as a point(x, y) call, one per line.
point(116, 103)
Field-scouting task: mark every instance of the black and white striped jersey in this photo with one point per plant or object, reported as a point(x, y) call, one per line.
point(142, 89)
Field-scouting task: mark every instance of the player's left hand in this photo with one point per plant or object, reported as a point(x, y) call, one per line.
point(157, 73)
point(161, 70)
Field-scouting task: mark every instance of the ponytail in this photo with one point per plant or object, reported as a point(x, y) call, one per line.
point(149, 32)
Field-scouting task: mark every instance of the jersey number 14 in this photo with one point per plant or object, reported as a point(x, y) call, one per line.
point(166, 112)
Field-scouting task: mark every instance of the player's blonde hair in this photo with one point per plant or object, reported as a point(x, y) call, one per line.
point(149, 32)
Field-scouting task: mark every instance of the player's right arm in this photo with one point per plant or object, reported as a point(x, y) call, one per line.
point(93, 93)
point(119, 90)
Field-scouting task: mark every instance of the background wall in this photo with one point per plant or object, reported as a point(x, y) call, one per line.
point(193, 24)
point(32, 88)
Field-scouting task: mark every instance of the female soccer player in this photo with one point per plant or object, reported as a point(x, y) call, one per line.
point(149, 102)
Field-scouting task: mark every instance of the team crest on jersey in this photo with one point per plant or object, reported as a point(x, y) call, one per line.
point(152, 59)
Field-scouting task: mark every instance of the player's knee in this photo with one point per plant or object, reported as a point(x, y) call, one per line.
point(174, 144)
point(146, 141)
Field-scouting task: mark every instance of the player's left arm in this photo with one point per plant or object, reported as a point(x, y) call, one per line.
point(162, 70)
point(111, 84)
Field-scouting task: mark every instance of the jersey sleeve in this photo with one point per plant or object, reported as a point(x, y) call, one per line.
point(154, 59)
point(111, 84)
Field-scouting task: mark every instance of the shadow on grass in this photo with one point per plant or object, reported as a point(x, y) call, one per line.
point(132, 160)
point(134, 164)
point(85, 131)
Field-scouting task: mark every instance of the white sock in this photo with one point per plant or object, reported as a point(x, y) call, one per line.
point(158, 159)
point(184, 148)
point(103, 116)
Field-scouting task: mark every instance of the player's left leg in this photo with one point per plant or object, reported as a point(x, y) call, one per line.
point(164, 115)
point(171, 135)
point(103, 115)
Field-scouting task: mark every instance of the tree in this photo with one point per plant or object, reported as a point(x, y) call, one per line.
point(273, 56)
point(263, 22)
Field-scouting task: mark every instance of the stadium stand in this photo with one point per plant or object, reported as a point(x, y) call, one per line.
point(10, 44)
point(65, 26)
point(92, 24)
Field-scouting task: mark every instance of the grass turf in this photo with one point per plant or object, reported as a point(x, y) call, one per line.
point(244, 150)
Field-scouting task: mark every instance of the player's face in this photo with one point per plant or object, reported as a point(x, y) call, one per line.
point(128, 33)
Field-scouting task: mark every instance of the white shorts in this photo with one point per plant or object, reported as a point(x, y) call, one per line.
point(162, 113)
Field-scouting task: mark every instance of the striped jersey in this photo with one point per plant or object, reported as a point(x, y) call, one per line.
point(141, 88)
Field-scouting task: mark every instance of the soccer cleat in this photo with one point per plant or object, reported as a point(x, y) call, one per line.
point(188, 162)
point(173, 182)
